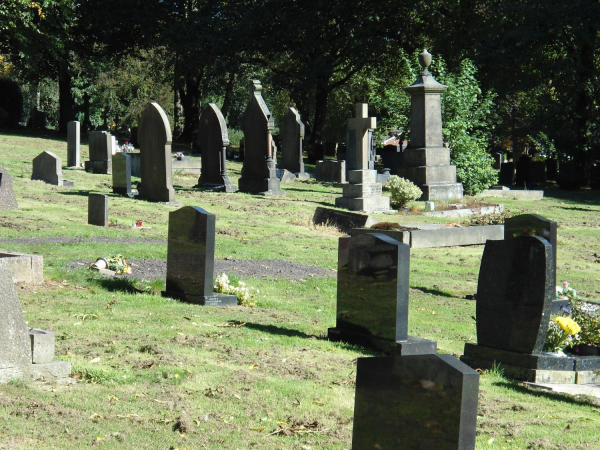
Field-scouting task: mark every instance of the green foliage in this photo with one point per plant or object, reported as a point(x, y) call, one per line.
point(402, 190)
point(587, 317)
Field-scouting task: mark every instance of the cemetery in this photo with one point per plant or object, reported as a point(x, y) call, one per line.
point(339, 241)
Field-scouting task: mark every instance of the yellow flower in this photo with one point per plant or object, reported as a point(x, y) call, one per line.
point(567, 324)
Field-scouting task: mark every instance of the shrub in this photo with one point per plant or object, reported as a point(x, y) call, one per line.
point(402, 190)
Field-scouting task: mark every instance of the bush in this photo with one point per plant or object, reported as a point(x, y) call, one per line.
point(402, 190)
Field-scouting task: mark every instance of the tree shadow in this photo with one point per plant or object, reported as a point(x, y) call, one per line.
point(436, 292)
point(554, 396)
point(589, 196)
point(280, 331)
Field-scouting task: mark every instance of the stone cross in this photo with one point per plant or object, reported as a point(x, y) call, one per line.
point(213, 140)
point(358, 138)
point(154, 136)
point(73, 149)
point(292, 133)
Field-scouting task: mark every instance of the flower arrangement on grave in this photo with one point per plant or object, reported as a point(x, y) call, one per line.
point(565, 292)
point(117, 263)
point(562, 333)
point(246, 295)
point(127, 147)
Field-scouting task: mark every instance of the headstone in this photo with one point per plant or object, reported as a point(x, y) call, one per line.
point(258, 172)
point(73, 141)
point(285, 176)
point(363, 193)
point(121, 174)
point(507, 174)
point(292, 134)
point(331, 149)
point(570, 176)
point(533, 225)
point(332, 171)
point(191, 258)
point(98, 210)
point(213, 140)
point(343, 220)
point(154, 136)
point(100, 143)
point(114, 148)
point(384, 176)
point(523, 177)
point(498, 160)
point(426, 162)
point(372, 295)
point(15, 348)
point(48, 167)
point(7, 195)
point(415, 402)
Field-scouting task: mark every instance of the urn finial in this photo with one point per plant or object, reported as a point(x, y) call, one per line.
point(425, 60)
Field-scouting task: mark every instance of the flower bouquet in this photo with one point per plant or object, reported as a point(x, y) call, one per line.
point(116, 263)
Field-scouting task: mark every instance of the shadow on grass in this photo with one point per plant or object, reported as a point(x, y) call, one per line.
point(434, 292)
point(589, 196)
point(280, 331)
point(130, 285)
point(554, 396)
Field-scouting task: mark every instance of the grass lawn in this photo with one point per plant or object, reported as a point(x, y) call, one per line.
point(157, 373)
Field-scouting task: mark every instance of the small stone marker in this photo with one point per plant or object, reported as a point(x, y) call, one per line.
point(73, 142)
point(121, 174)
point(154, 136)
point(429, 206)
point(285, 176)
point(258, 173)
point(372, 295)
point(191, 258)
point(48, 167)
point(415, 402)
point(7, 195)
point(426, 162)
point(213, 139)
point(98, 210)
point(332, 171)
point(100, 143)
point(292, 134)
point(363, 193)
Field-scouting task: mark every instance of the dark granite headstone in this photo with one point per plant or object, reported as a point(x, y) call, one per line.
point(213, 140)
point(7, 195)
point(533, 225)
point(523, 176)
point(372, 295)
point(48, 167)
point(507, 174)
point(73, 147)
point(537, 173)
point(331, 149)
point(343, 220)
point(100, 144)
point(514, 294)
point(191, 258)
point(98, 210)
point(121, 174)
point(259, 171)
point(415, 402)
point(292, 133)
point(154, 136)
point(551, 169)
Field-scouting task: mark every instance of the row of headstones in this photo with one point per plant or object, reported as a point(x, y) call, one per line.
point(102, 145)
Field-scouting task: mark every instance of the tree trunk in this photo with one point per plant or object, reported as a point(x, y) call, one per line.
point(190, 97)
point(228, 95)
point(65, 100)
point(321, 97)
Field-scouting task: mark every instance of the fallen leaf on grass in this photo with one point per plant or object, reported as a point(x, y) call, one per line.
point(298, 428)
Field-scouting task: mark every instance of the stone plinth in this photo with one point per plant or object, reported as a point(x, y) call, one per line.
point(363, 193)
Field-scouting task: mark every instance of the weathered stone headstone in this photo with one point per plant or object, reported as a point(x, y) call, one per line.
point(98, 210)
point(292, 134)
point(121, 174)
point(372, 295)
point(426, 162)
point(213, 140)
point(154, 136)
point(100, 143)
point(48, 167)
point(285, 176)
point(363, 193)
point(258, 172)
point(333, 171)
point(191, 258)
point(415, 402)
point(7, 195)
point(73, 141)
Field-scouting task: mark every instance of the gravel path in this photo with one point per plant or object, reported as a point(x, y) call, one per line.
point(152, 269)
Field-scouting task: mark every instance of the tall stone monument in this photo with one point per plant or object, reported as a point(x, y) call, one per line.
point(292, 134)
point(259, 175)
point(100, 152)
point(426, 162)
point(213, 140)
point(363, 193)
point(73, 140)
point(154, 137)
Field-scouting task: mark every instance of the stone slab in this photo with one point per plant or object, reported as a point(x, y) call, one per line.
point(467, 212)
point(411, 346)
point(517, 195)
point(593, 390)
point(50, 371)
point(191, 166)
point(343, 220)
point(362, 176)
point(24, 268)
point(442, 191)
point(365, 204)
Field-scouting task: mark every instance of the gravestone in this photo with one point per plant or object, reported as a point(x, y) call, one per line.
point(426, 162)
point(7, 195)
point(331, 148)
point(498, 160)
point(191, 258)
point(372, 295)
point(73, 142)
point(100, 144)
point(121, 174)
point(343, 220)
point(507, 174)
point(292, 134)
point(523, 176)
point(363, 193)
point(48, 167)
point(551, 169)
point(98, 210)
point(332, 171)
point(415, 402)
point(537, 173)
point(213, 140)
point(154, 136)
point(570, 176)
point(258, 172)
point(533, 225)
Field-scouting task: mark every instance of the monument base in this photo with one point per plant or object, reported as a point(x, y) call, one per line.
point(224, 185)
point(104, 167)
point(363, 193)
point(215, 299)
point(45, 371)
point(123, 191)
point(260, 186)
point(442, 191)
point(364, 204)
point(411, 346)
